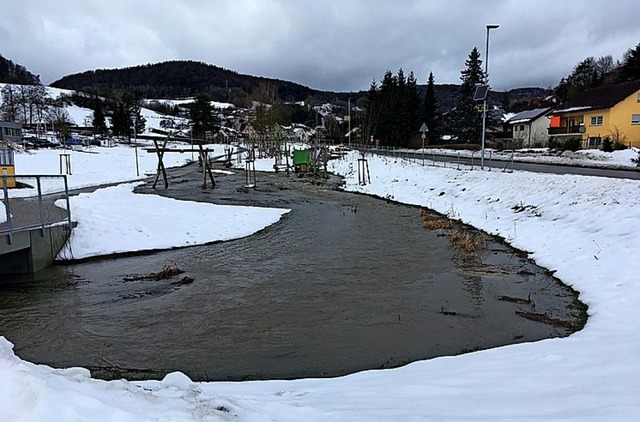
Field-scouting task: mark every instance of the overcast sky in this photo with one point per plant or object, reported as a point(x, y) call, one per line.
point(337, 45)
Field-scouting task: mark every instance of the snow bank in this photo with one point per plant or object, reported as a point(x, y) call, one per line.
point(115, 220)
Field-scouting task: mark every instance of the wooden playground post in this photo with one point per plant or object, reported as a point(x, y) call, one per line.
point(363, 171)
point(206, 168)
point(161, 168)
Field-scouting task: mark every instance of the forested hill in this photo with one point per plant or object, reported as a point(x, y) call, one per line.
point(179, 79)
point(176, 79)
point(12, 73)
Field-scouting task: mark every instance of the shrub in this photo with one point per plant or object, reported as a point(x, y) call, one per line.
point(573, 144)
point(607, 145)
point(618, 146)
point(559, 143)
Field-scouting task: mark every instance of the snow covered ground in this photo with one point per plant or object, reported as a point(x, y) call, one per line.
point(103, 227)
point(138, 220)
point(583, 228)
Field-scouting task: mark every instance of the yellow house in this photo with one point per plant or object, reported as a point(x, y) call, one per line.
point(612, 111)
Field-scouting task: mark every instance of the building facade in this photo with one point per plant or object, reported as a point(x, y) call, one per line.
point(10, 132)
point(610, 111)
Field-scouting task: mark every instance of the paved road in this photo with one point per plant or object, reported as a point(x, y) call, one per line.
point(534, 167)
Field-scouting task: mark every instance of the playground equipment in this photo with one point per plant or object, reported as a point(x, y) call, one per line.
point(301, 161)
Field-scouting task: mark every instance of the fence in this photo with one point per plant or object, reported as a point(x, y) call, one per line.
point(27, 202)
point(456, 159)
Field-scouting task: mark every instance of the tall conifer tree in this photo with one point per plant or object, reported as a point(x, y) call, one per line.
point(467, 123)
point(429, 109)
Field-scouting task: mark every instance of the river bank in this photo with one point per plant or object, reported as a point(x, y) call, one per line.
point(342, 283)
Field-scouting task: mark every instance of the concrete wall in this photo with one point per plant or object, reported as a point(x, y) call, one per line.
point(30, 251)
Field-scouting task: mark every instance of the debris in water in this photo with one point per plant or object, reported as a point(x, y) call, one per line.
point(167, 272)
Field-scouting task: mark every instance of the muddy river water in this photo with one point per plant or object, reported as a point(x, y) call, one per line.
point(342, 283)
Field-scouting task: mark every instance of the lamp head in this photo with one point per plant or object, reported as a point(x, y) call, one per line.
point(494, 26)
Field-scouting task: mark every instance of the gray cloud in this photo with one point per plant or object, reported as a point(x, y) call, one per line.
point(330, 45)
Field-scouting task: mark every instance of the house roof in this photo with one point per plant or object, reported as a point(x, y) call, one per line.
point(603, 97)
point(528, 115)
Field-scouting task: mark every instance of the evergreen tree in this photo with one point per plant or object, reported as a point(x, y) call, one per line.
point(99, 122)
point(430, 108)
point(399, 114)
point(371, 118)
point(630, 69)
point(585, 75)
point(203, 117)
point(139, 122)
point(13, 73)
point(387, 102)
point(126, 117)
point(607, 144)
point(411, 106)
point(121, 120)
point(467, 118)
point(393, 110)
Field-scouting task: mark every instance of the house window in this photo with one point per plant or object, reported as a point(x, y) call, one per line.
point(594, 142)
point(635, 119)
point(596, 120)
point(638, 98)
point(521, 128)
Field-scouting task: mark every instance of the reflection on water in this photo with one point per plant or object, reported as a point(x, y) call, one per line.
point(343, 283)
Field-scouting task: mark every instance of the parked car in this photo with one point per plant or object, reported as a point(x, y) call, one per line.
point(36, 143)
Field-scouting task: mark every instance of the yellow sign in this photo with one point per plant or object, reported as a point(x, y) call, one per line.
point(7, 171)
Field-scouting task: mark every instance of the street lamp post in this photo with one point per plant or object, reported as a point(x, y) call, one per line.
point(135, 142)
point(484, 103)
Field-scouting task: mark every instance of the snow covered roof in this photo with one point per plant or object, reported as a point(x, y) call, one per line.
point(571, 109)
point(528, 115)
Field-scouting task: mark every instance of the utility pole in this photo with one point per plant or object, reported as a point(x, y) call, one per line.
point(349, 102)
point(135, 142)
point(484, 103)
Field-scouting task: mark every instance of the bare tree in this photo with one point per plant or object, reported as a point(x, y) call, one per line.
point(60, 120)
point(38, 99)
point(24, 103)
point(333, 128)
point(618, 138)
point(8, 107)
point(604, 65)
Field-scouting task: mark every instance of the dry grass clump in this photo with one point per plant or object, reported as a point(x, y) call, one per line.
point(463, 241)
point(433, 221)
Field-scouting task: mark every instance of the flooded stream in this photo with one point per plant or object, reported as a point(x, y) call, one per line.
point(342, 283)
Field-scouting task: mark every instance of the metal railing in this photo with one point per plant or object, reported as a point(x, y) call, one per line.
point(565, 130)
point(28, 202)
